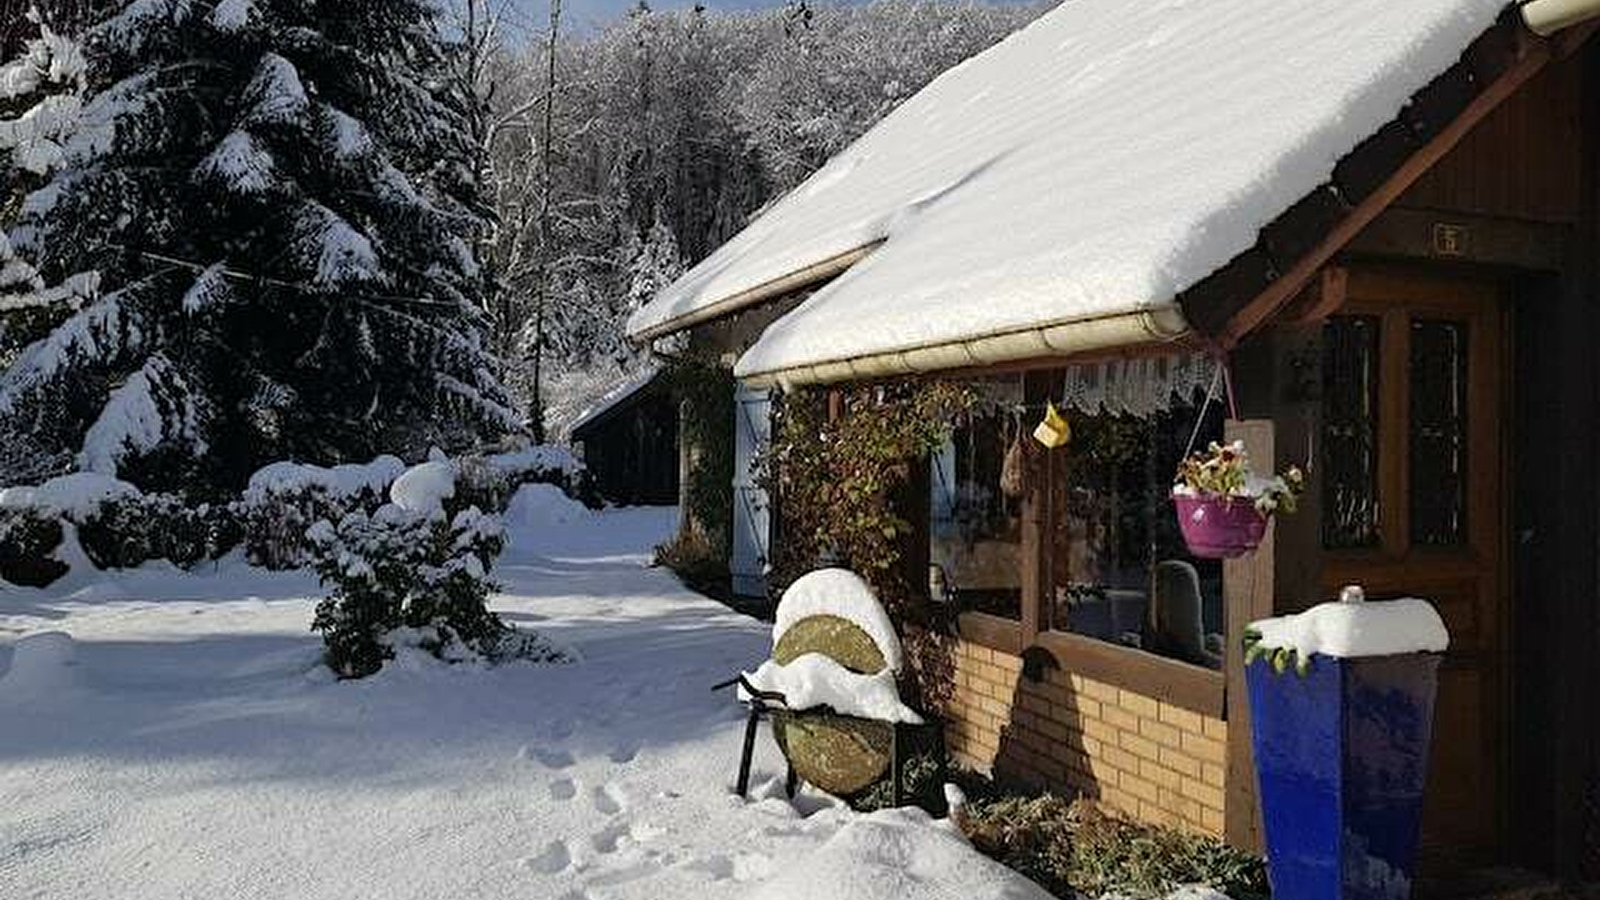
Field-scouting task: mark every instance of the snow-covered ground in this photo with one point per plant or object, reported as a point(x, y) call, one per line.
point(184, 742)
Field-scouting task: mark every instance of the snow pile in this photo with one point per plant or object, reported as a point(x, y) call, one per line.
point(814, 680)
point(1367, 628)
point(841, 593)
point(344, 480)
point(535, 458)
point(73, 497)
point(1095, 164)
point(43, 667)
point(540, 506)
point(423, 488)
point(893, 855)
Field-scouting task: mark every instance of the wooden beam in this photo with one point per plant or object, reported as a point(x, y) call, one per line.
point(1533, 54)
point(1248, 590)
point(1321, 298)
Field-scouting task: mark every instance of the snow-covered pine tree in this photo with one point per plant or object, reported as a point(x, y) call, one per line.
point(277, 199)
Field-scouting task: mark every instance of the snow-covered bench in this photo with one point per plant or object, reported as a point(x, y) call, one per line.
point(830, 689)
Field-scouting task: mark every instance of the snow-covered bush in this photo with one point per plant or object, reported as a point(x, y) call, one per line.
point(28, 540)
point(126, 531)
point(284, 499)
point(413, 576)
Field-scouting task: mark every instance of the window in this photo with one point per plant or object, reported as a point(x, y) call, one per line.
point(1438, 432)
point(975, 522)
point(1350, 432)
point(1119, 570)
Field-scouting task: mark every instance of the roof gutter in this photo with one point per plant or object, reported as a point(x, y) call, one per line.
point(1546, 17)
point(1064, 338)
point(767, 290)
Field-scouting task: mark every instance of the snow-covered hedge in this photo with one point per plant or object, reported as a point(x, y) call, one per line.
point(121, 527)
point(284, 499)
point(412, 577)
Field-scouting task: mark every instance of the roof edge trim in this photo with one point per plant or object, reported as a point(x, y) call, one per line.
point(1064, 338)
point(767, 290)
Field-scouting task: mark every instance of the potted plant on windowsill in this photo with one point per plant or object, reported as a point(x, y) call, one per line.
point(1223, 506)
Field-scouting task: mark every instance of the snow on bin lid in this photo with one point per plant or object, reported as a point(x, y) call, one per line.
point(1093, 165)
point(815, 680)
point(844, 594)
point(1353, 629)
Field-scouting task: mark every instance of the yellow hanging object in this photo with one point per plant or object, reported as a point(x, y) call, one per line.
point(1053, 431)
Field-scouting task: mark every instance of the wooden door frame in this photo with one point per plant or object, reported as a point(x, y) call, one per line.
point(1406, 289)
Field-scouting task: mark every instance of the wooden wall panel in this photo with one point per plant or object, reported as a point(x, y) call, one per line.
point(1523, 161)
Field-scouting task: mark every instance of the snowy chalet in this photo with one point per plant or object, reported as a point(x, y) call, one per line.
point(1382, 218)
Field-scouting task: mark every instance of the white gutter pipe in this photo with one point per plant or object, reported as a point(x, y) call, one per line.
point(777, 287)
point(1067, 338)
point(1546, 17)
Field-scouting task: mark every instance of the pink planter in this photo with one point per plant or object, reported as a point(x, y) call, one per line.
point(1217, 527)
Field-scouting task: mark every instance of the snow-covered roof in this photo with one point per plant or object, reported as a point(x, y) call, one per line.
point(1090, 167)
point(614, 397)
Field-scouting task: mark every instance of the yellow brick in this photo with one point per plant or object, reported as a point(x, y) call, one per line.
point(1156, 814)
point(1179, 762)
point(1139, 704)
point(1120, 758)
point(995, 707)
point(1205, 749)
point(1055, 731)
point(1120, 800)
point(1182, 719)
point(1100, 731)
point(1008, 664)
point(1105, 693)
point(1213, 775)
point(1216, 729)
point(1156, 774)
point(1207, 795)
point(1212, 821)
point(1140, 788)
point(1120, 719)
point(1161, 733)
point(1140, 746)
point(1103, 773)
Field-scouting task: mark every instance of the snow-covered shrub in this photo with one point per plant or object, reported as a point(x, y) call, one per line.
point(284, 499)
point(28, 538)
point(127, 531)
point(488, 481)
point(413, 576)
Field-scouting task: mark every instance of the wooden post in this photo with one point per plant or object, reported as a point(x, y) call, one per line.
point(1247, 588)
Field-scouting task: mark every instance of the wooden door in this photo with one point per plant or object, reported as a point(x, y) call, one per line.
point(1413, 489)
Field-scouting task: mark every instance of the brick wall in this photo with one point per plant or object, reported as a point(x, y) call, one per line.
point(1145, 758)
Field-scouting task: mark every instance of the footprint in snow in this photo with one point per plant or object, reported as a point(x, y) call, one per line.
point(563, 789)
point(555, 857)
point(607, 839)
point(607, 799)
point(550, 758)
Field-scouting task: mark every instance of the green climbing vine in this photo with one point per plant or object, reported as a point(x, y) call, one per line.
point(841, 484)
point(700, 553)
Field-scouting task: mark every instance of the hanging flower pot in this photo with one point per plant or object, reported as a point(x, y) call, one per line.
point(1223, 507)
point(1219, 527)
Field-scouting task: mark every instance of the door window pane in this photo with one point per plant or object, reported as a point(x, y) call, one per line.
point(1438, 432)
point(1350, 432)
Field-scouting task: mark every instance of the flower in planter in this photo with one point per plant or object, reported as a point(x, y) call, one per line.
point(1224, 471)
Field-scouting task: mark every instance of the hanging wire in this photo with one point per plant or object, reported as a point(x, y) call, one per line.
point(1200, 417)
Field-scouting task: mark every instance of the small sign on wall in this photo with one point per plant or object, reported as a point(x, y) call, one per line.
point(1451, 239)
